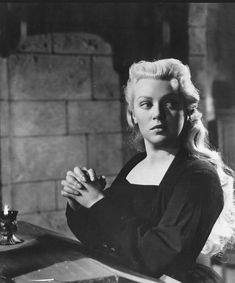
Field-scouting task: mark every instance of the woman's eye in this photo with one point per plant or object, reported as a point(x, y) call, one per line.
point(145, 104)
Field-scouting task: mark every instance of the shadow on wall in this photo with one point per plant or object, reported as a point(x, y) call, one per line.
point(223, 93)
point(222, 129)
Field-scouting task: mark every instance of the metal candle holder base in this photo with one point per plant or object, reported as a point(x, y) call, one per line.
point(8, 226)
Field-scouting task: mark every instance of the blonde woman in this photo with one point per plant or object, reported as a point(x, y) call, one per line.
point(173, 200)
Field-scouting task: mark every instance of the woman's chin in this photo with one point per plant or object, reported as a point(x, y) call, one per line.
point(162, 142)
point(157, 141)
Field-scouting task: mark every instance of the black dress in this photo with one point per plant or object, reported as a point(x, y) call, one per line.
point(155, 230)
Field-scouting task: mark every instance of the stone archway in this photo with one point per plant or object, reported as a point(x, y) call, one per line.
point(61, 107)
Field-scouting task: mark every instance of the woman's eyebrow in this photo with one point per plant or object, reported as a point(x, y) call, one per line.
point(144, 96)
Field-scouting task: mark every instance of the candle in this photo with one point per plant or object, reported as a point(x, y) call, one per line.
point(6, 209)
point(8, 227)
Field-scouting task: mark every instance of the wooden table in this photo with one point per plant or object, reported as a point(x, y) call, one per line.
point(47, 256)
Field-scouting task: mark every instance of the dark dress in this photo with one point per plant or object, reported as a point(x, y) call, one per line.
point(155, 230)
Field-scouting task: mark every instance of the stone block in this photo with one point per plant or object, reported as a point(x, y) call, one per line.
point(40, 43)
point(45, 158)
point(197, 65)
point(5, 161)
point(223, 94)
point(105, 80)
point(105, 153)
point(197, 41)
point(34, 197)
point(38, 118)
point(80, 43)
point(4, 118)
point(54, 221)
point(226, 135)
point(4, 92)
point(197, 14)
point(42, 77)
point(61, 202)
point(94, 116)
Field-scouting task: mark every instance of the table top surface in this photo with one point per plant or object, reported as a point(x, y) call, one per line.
point(47, 256)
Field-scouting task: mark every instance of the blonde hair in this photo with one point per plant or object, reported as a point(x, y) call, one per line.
point(194, 140)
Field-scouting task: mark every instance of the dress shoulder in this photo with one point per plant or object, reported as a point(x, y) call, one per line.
point(203, 178)
point(197, 165)
point(135, 159)
point(132, 162)
point(127, 167)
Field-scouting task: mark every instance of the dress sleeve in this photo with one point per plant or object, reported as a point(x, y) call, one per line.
point(81, 222)
point(155, 247)
point(81, 226)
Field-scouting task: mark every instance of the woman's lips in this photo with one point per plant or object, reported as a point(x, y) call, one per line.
point(158, 128)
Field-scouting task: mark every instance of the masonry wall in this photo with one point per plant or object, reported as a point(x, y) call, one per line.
point(61, 100)
point(60, 107)
point(62, 93)
point(211, 58)
point(197, 53)
point(221, 44)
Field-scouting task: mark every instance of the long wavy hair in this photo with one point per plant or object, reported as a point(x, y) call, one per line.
point(194, 139)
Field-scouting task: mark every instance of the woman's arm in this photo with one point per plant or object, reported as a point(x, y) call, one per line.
point(79, 199)
point(155, 247)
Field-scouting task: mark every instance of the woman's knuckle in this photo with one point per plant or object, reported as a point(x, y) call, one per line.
point(77, 169)
point(67, 178)
point(78, 185)
point(70, 178)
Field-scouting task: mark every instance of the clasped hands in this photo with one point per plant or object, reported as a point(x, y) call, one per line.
point(82, 186)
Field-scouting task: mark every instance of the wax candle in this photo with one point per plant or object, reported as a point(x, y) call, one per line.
point(8, 226)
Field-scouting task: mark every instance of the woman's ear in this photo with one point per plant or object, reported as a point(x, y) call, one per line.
point(133, 118)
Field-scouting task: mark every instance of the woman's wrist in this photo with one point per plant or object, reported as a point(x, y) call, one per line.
point(100, 197)
point(74, 205)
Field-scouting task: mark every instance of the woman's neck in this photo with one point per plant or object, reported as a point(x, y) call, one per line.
point(162, 154)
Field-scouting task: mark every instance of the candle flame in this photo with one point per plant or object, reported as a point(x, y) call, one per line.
point(6, 209)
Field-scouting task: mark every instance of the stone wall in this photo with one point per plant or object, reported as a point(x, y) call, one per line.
point(221, 44)
point(197, 54)
point(211, 58)
point(60, 107)
point(58, 88)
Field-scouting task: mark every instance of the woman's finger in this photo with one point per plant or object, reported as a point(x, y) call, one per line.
point(71, 174)
point(80, 174)
point(72, 189)
point(92, 174)
point(67, 194)
point(102, 180)
point(72, 180)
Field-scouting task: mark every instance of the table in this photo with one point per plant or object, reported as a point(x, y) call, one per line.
point(47, 256)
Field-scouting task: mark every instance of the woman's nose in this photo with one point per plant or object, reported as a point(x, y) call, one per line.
point(158, 112)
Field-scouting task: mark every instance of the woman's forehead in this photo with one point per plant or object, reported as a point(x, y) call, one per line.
point(152, 87)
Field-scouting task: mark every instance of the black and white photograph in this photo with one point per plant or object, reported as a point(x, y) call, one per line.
point(117, 142)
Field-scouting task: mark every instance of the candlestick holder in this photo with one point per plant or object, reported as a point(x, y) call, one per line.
point(8, 228)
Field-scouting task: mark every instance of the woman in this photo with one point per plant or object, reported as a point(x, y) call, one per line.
point(173, 199)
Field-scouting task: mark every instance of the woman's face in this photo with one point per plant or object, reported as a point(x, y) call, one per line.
point(158, 112)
